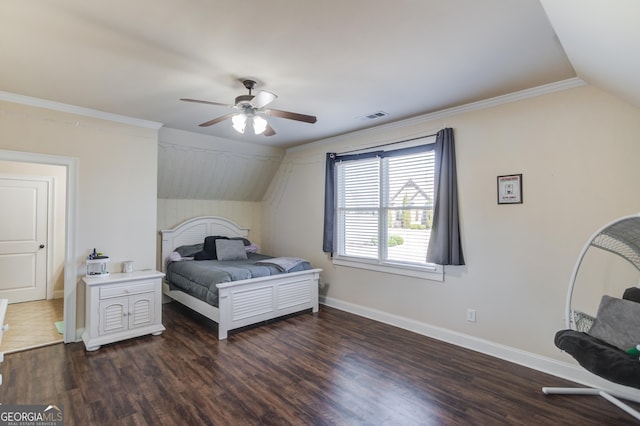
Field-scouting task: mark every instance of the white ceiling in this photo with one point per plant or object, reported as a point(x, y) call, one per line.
point(339, 60)
point(602, 41)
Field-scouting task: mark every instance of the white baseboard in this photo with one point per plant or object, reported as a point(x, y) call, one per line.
point(546, 365)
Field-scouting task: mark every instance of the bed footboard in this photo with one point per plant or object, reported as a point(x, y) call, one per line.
point(248, 302)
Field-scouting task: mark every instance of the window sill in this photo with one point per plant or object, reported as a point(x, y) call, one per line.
point(435, 273)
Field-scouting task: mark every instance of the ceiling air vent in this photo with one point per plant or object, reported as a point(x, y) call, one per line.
point(374, 115)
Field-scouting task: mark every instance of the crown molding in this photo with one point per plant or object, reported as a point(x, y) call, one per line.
point(72, 109)
point(533, 92)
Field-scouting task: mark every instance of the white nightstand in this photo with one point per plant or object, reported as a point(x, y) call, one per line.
point(121, 306)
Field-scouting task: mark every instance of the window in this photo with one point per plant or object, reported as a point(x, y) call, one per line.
point(384, 210)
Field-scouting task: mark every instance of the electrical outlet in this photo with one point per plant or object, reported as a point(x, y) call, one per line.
point(471, 315)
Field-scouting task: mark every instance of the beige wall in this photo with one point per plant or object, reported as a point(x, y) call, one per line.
point(578, 152)
point(116, 199)
point(58, 175)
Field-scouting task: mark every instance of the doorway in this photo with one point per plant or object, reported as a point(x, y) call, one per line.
point(32, 252)
point(64, 272)
point(33, 325)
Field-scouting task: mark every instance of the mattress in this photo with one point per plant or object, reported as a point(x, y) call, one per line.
point(198, 278)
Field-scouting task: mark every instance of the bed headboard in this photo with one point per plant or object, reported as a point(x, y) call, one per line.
point(193, 231)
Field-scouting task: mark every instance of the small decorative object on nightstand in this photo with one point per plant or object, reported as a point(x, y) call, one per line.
point(97, 265)
point(122, 306)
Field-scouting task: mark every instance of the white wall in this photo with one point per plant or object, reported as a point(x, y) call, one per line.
point(577, 150)
point(116, 206)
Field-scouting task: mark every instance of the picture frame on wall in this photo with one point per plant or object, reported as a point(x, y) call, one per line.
point(510, 189)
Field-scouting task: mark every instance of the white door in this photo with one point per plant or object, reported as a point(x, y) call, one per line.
point(23, 239)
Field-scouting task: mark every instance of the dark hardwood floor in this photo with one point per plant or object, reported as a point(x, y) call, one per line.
point(330, 368)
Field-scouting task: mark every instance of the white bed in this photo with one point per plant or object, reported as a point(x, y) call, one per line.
point(246, 302)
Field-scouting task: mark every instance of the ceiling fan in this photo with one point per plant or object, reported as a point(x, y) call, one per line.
point(251, 108)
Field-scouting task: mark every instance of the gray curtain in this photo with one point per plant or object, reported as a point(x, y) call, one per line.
point(328, 241)
point(329, 203)
point(444, 245)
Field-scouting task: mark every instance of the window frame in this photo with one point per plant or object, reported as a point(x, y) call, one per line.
point(427, 271)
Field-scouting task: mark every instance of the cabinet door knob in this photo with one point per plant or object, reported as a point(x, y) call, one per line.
point(41, 245)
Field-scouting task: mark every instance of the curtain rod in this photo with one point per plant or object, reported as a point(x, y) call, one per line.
point(387, 144)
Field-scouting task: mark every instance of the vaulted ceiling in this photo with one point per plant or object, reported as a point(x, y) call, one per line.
point(338, 60)
point(602, 41)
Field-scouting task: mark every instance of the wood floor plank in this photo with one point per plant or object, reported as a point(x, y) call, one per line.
point(329, 368)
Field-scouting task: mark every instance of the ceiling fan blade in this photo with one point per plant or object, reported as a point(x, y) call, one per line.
point(206, 102)
point(262, 98)
point(216, 120)
point(269, 131)
point(291, 115)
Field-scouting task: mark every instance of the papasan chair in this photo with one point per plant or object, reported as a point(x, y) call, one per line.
point(607, 345)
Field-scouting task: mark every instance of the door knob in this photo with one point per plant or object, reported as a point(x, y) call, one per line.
point(41, 245)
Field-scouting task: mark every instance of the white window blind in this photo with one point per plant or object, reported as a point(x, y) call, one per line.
point(385, 208)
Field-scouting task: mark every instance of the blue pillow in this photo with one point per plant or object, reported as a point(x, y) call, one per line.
point(189, 250)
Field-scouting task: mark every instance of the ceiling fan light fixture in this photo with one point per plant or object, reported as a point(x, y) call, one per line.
point(239, 122)
point(259, 125)
point(247, 109)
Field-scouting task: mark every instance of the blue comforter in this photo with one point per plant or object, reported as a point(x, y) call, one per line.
point(198, 278)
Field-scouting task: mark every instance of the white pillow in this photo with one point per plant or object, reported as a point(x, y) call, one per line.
point(174, 256)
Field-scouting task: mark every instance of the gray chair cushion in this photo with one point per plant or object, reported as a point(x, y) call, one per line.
point(617, 322)
point(600, 358)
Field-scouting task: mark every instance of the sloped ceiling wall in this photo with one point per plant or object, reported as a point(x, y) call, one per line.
point(200, 167)
point(602, 41)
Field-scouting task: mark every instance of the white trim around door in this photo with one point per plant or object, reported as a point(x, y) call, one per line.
point(70, 268)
